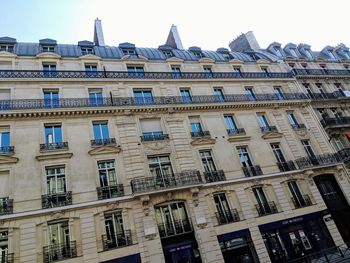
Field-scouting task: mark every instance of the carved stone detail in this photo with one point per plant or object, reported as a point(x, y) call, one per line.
point(202, 141)
point(107, 149)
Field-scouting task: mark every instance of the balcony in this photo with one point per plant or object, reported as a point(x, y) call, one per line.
point(286, 166)
point(238, 131)
point(53, 146)
point(7, 150)
point(7, 258)
point(306, 201)
point(22, 104)
point(250, 171)
point(320, 72)
point(6, 206)
point(107, 192)
point(116, 240)
point(266, 129)
point(199, 134)
point(154, 137)
point(298, 126)
point(103, 142)
point(344, 154)
point(317, 160)
point(266, 209)
point(56, 200)
point(148, 184)
point(214, 176)
point(175, 228)
point(335, 122)
point(229, 216)
point(59, 252)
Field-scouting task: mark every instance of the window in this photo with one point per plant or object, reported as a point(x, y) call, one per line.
point(237, 70)
point(87, 50)
point(186, 95)
point(4, 140)
point(293, 52)
point(224, 212)
point(8, 48)
point(219, 94)
point(116, 235)
point(143, 96)
point(91, 70)
point(4, 253)
point(47, 48)
point(263, 206)
point(135, 69)
point(198, 54)
point(207, 70)
point(278, 93)
point(196, 126)
point(167, 53)
point(151, 129)
point(308, 89)
point(53, 133)
point(51, 98)
point(244, 157)
point(265, 70)
point(338, 144)
point(49, 67)
point(59, 241)
point(323, 113)
point(276, 149)
point(161, 169)
point(292, 120)
point(95, 97)
point(230, 122)
point(207, 161)
point(250, 93)
point(129, 51)
point(297, 196)
point(106, 171)
point(55, 180)
point(101, 132)
point(320, 88)
point(308, 149)
point(340, 89)
point(262, 120)
point(176, 70)
point(336, 113)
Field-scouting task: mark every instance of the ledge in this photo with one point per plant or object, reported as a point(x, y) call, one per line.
point(239, 138)
point(105, 149)
point(53, 156)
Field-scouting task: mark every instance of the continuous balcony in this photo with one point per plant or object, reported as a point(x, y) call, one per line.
point(175, 228)
point(250, 171)
point(116, 240)
point(286, 166)
point(266, 209)
point(7, 257)
point(6, 206)
point(344, 154)
point(56, 200)
point(36, 74)
point(149, 184)
point(107, 192)
point(102, 142)
point(22, 104)
point(229, 216)
point(302, 202)
point(154, 137)
point(269, 128)
point(318, 160)
point(53, 146)
point(335, 122)
point(214, 176)
point(7, 150)
point(200, 134)
point(320, 72)
point(238, 131)
point(59, 252)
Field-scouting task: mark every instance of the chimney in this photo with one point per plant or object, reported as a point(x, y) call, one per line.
point(174, 39)
point(98, 33)
point(245, 42)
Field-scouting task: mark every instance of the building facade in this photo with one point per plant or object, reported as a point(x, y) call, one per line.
point(127, 154)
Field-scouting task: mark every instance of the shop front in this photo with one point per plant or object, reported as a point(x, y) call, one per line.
point(296, 237)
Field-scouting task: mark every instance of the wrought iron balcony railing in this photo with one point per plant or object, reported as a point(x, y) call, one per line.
point(286, 166)
point(59, 252)
point(214, 176)
point(116, 240)
point(6, 257)
point(266, 209)
point(228, 216)
point(174, 228)
point(238, 131)
point(53, 146)
point(56, 200)
point(302, 202)
point(298, 126)
point(139, 75)
point(340, 121)
point(111, 191)
point(323, 159)
point(250, 171)
point(101, 142)
point(148, 184)
point(268, 129)
point(321, 72)
point(326, 96)
point(344, 154)
point(6, 206)
point(20, 104)
point(154, 137)
point(7, 150)
point(200, 134)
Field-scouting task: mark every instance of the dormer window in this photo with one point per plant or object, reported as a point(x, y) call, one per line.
point(87, 50)
point(197, 54)
point(167, 53)
point(129, 51)
point(278, 51)
point(48, 48)
point(5, 47)
point(293, 52)
point(330, 54)
point(308, 53)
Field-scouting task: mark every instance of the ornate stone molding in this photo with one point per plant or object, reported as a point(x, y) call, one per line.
point(6, 159)
point(202, 141)
point(156, 146)
point(106, 149)
point(53, 156)
point(272, 135)
point(239, 138)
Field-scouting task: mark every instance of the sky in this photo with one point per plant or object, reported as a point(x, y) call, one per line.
point(205, 23)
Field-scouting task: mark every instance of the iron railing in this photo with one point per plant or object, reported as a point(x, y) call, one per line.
point(200, 134)
point(320, 72)
point(250, 171)
point(227, 216)
point(20, 104)
point(268, 129)
point(54, 146)
point(154, 137)
point(326, 95)
point(101, 142)
point(116, 240)
point(7, 258)
point(7, 149)
point(298, 126)
point(286, 166)
point(214, 176)
point(110, 191)
point(139, 75)
point(266, 209)
point(237, 131)
point(6, 206)
point(56, 200)
point(328, 122)
point(323, 159)
point(58, 252)
point(147, 184)
point(176, 227)
point(344, 154)
point(302, 202)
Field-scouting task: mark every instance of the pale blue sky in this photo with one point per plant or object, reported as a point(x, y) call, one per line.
point(204, 23)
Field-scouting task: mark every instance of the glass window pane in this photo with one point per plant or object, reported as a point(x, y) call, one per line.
point(58, 134)
point(105, 133)
point(5, 139)
point(97, 131)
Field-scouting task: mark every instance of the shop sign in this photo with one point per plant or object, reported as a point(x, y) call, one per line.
point(292, 221)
